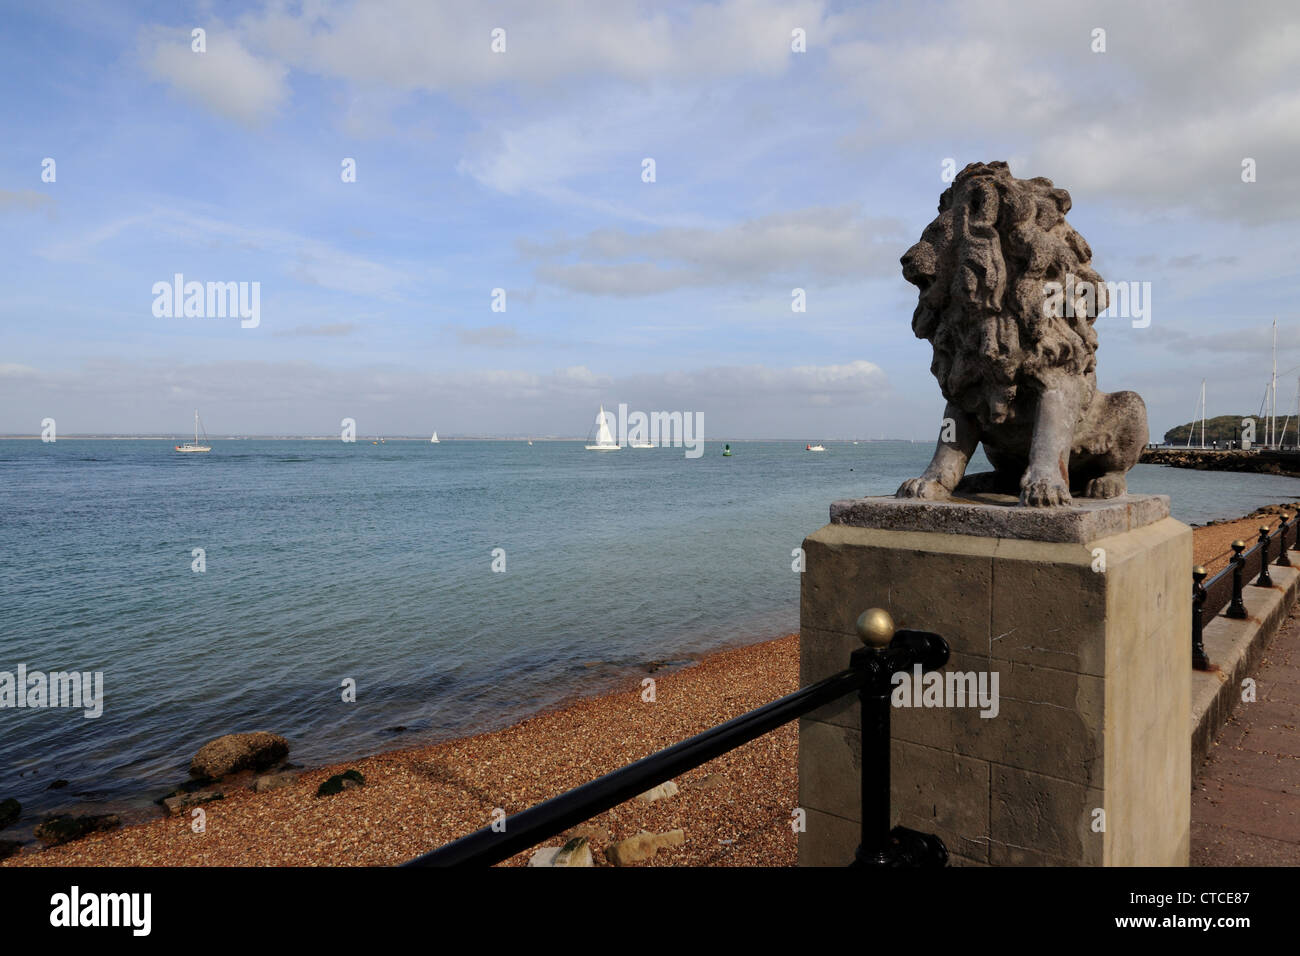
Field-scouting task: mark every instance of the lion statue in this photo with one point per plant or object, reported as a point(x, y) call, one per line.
point(1008, 300)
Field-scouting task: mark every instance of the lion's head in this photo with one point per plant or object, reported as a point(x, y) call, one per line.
point(985, 267)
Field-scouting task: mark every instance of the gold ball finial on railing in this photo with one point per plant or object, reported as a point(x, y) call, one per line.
point(1238, 545)
point(875, 627)
point(1198, 571)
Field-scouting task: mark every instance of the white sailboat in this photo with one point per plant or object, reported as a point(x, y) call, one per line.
point(194, 445)
point(434, 439)
point(604, 439)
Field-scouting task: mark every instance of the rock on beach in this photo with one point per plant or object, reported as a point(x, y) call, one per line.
point(63, 828)
point(274, 781)
point(340, 782)
point(642, 846)
point(234, 752)
point(577, 852)
point(10, 810)
point(662, 792)
point(183, 801)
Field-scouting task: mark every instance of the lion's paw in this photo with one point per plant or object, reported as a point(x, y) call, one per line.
point(921, 488)
point(1111, 485)
point(1045, 493)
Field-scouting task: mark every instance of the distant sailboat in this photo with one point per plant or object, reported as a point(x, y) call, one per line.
point(194, 445)
point(604, 439)
point(434, 439)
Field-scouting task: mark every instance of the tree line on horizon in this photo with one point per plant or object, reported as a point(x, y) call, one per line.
point(1220, 428)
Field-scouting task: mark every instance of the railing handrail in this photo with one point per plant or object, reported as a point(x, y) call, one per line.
point(1246, 555)
point(886, 651)
point(1204, 610)
point(549, 818)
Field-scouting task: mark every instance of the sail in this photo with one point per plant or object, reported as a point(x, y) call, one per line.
point(603, 436)
point(194, 445)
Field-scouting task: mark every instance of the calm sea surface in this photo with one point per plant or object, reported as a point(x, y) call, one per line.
point(327, 561)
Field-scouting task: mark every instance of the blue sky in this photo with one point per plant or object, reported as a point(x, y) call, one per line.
point(522, 170)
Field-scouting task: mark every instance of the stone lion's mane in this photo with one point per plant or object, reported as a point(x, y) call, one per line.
point(986, 312)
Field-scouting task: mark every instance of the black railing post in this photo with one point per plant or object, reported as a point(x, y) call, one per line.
point(1237, 608)
point(1265, 581)
point(874, 769)
point(886, 652)
point(1200, 661)
point(1284, 558)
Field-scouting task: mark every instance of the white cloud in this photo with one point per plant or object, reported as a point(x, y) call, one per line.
point(446, 47)
point(825, 244)
point(116, 396)
point(26, 200)
point(1160, 121)
point(490, 336)
point(328, 330)
point(1256, 339)
point(227, 78)
point(276, 251)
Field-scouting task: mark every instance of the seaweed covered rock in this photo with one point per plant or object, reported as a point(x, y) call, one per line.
point(234, 752)
point(181, 802)
point(10, 810)
point(64, 828)
point(340, 782)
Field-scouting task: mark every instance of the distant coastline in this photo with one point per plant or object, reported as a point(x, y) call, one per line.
point(448, 438)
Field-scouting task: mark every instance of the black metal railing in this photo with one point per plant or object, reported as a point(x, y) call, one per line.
point(1225, 589)
point(871, 668)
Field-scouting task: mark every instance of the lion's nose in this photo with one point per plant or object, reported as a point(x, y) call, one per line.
point(918, 264)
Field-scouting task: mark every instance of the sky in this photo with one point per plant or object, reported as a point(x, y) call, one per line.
point(523, 169)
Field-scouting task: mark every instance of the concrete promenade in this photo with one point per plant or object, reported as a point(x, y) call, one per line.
point(1246, 794)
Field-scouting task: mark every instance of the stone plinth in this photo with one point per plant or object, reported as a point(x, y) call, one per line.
point(1084, 614)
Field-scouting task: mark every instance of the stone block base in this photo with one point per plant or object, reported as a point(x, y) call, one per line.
point(1084, 756)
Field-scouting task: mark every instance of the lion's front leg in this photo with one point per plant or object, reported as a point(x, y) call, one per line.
point(957, 440)
point(1046, 482)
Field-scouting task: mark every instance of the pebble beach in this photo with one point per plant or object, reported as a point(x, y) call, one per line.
point(734, 811)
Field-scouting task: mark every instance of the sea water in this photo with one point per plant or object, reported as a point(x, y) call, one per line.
point(460, 586)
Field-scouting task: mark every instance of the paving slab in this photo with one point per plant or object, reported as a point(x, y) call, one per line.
point(1246, 795)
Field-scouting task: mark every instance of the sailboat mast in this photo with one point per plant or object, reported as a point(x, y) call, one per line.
point(1273, 417)
point(1203, 413)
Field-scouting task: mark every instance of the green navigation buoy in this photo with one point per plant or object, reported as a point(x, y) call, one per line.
point(726, 451)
